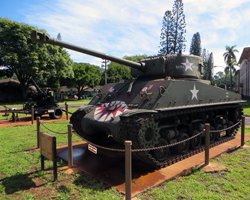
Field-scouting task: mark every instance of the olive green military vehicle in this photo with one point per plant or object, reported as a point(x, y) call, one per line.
point(167, 102)
point(43, 102)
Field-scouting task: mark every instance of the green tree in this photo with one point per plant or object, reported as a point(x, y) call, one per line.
point(220, 80)
point(230, 60)
point(166, 38)
point(172, 39)
point(179, 27)
point(26, 59)
point(208, 63)
point(208, 67)
point(117, 72)
point(195, 47)
point(85, 75)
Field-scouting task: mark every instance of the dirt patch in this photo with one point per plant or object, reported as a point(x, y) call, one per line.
point(27, 121)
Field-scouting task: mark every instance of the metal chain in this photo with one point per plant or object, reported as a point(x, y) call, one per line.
point(66, 111)
point(148, 149)
point(52, 130)
point(225, 129)
point(159, 147)
point(168, 145)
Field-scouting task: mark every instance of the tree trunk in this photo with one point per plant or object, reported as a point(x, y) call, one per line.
point(24, 91)
point(231, 79)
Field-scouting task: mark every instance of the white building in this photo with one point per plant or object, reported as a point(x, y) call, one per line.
point(244, 74)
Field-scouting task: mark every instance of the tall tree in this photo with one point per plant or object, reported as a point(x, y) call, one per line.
point(179, 27)
point(230, 60)
point(195, 47)
point(172, 39)
point(26, 59)
point(166, 38)
point(208, 63)
point(210, 66)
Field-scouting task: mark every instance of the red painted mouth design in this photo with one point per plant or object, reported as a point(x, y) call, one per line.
point(108, 111)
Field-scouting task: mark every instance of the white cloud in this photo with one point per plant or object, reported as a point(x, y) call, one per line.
point(133, 27)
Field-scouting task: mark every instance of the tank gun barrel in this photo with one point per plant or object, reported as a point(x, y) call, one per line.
point(44, 38)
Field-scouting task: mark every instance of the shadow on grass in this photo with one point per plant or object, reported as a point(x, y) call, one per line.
point(18, 182)
point(86, 181)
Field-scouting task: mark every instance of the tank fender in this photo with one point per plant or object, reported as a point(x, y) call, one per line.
point(129, 113)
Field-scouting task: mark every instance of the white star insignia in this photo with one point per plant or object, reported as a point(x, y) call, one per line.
point(194, 92)
point(188, 65)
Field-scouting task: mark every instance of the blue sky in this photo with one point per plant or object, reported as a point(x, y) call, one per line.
point(132, 27)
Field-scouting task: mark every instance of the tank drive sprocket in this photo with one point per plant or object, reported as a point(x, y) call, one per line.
point(145, 133)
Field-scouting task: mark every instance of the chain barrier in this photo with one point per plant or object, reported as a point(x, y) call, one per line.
point(160, 147)
point(168, 145)
point(148, 149)
point(66, 111)
point(52, 130)
point(225, 129)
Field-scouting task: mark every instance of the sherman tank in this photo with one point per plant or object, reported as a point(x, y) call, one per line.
point(167, 102)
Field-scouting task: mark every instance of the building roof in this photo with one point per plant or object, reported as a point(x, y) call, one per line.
point(245, 54)
point(9, 81)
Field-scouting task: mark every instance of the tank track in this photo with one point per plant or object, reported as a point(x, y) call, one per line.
point(134, 123)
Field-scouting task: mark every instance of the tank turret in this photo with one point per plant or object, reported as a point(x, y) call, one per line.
point(175, 66)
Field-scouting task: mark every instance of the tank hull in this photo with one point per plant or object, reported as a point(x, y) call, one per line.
point(157, 113)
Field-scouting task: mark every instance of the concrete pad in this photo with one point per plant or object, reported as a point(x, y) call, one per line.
point(111, 170)
point(214, 167)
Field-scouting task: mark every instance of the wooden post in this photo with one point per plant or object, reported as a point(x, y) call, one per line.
point(67, 110)
point(54, 159)
point(32, 114)
point(70, 147)
point(42, 162)
point(128, 170)
point(13, 118)
point(207, 143)
point(38, 129)
point(6, 113)
point(242, 131)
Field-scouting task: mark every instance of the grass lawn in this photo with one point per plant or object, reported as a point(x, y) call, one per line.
point(20, 175)
point(21, 178)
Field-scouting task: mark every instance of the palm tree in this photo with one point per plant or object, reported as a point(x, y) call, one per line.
point(230, 60)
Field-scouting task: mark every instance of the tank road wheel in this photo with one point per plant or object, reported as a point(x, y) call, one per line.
point(149, 134)
point(57, 114)
point(195, 129)
point(196, 142)
point(231, 131)
point(161, 155)
point(183, 147)
point(212, 135)
point(217, 134)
